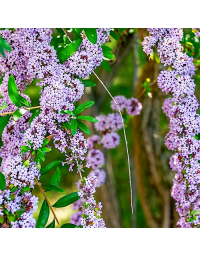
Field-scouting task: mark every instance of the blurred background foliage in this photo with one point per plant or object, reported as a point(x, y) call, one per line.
point(131, 74)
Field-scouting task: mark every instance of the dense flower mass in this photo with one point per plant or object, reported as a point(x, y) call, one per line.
point(32, 57)
point(184, 125)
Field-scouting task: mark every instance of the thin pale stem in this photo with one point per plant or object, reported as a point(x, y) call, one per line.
point(28, 109)
point(127, 151)
point(41, 189)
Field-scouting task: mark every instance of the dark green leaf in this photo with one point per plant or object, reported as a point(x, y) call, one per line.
point(88, 118)
point(69, 225)
point(197, 136)
point(56, 177)
point(109, 55)
point(66, 125)
point(91, 34)
point(50, 166)
point(88, 83)
point(77, 32)
point(35, 114)
point(40, 154)
point(24, 101)
point(52, 224)
point(43, 216)
point(73, 126)
point(2, 182)
point(25, 189)
point(53, 188)
point(84, 128)
point(18, 114)
point(12, 91)
point(114, 35)
point(106, 48)
point(67, 200)
point(69, 50)
point(4, 46)
point(83, 107)
point(3, 123)
point(105, 65)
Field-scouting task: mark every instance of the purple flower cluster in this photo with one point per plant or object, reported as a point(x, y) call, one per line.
point(89, 212)
point(184, 125)
point(32, 58)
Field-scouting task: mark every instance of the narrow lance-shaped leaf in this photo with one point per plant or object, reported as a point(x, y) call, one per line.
point(4, 46)
point(83, 107)
point(67, 200)
point(12, 91)
point(69, 225)
point(53, 188)
point(88, 118)
point(50, 166)
point(114, 35)
point(69, 50)
point(52, 224)
point(88, 83)
point(35, 114)
point(73, 126)
point(4, 105)
point(84, 128)
point(91, 34)
point(105, 65)
point(43, 216)
point(2, 182)
point(24, 101)
point(55, 179)
point(19, 113)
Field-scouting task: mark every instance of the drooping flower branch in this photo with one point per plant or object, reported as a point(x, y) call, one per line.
point(24, 143)
point(180, 107)
point(107, 126)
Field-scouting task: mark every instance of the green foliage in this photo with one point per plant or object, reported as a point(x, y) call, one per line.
point(91, 34)
point(106, 65)
point(107, 52)
point(18, 114)
point(54, 188)
point(73, 126)
point(88, 83)
point(4, 46)
point(12, 91)
point(43, 216)
point(69, 225)
point(114, 35)
point(24, 101)
point(2, 181)
point(50, 166)
point(67, 200)
point(88, 118)
point(4, 105)
point(83, 127)
point(83, 107)
point(69, 50)
point(52, 224)
point(34, 115)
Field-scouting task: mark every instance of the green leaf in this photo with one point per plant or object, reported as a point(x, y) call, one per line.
point(53, 188)
point(106, 48)
point(12, 91)
point(35, 114)
point(2, 182)
point(88, 118)
point(19, 113)
point(52, 224)
point(195, 30)
point(40, 154)
point(88, 83)
point(66, 125)
point(25, 189)
point(46, 149)
point(67, 111)
point(43, 216)
point(45, 142)
point(50, 167)
point(109, 55)
point(73, 126)
point(24, 101)
point(77, 32)
point(11, 217)
point(114, 35)
point(91, 34)
point(3, 123)
point(83, 107)
point(4, 105)
point(26, 163)
point(105, 65)
point(84, 128)
point(67, 200)
point(4, 46)
point(69, 50)
point(197, 136)
point(56, 177)
point(69, 225)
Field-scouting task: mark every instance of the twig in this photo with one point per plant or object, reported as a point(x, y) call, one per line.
point(28, 109)
point(41, 189)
